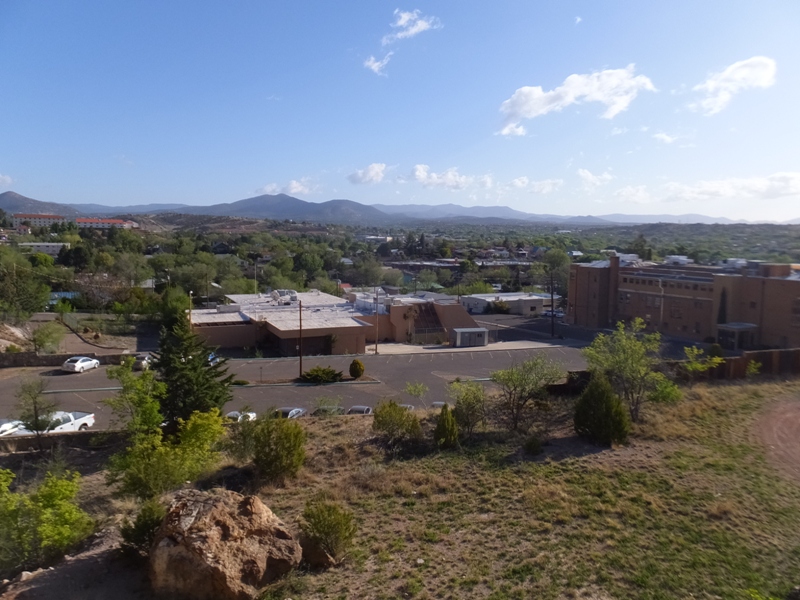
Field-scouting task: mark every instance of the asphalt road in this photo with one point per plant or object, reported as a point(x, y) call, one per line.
point(85, 391)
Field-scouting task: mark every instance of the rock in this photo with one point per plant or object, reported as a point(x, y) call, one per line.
point(219, 546)
point(24, 576)
point(794, 594)
point(314, 556)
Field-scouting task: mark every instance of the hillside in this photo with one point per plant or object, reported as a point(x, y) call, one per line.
point(11, 203)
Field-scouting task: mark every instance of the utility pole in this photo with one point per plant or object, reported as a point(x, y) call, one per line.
point(552, 306)
point(300, 339)
point(190, 310)
point(255, 275)
point(376, 321)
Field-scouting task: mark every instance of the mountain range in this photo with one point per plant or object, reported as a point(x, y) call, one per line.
point(347, 212)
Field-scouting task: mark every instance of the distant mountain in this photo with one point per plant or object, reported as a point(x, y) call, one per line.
point(443, 211)
point(688, 219)
point(100, 209)
point(11, 203)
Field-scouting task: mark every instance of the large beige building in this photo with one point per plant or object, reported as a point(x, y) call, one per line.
point(743, 304)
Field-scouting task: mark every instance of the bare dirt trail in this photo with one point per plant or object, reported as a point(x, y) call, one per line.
point(779, 431)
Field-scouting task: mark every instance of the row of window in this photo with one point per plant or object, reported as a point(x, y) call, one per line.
point(671, 284)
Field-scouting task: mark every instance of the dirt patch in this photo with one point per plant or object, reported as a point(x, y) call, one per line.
point(779, 431)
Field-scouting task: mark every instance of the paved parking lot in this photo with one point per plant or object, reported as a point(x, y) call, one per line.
point(435, 369)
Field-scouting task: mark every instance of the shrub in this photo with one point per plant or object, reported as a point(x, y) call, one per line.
point(532, 445)
point(240, 382)
point(13, 349)
point(279, 448)
point(328, 406)
point(137, 536)
point(446, 433)
point(715, 350)
point(319, 374)
point(397, 425)
point(600, 415)
point(240, 442)
point(752, 369)
point(470, 405)
point(41, 525)
point(329, 527)
point(356, 368)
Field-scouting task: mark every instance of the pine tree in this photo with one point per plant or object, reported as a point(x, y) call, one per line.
point(192, 383)
point(446, 433)
point(600, 415)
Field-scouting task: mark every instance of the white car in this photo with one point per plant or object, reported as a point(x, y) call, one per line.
point(235, 415)
point(79, 364)
point(9, 426)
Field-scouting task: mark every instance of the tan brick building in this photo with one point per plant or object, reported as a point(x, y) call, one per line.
point(755, 305)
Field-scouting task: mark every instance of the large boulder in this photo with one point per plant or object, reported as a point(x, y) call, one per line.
point(219, 545)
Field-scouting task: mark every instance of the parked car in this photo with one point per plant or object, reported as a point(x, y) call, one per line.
point(559, 314)
point(438, 405)
point(288, 412)
point(359, 410)
point(64, 421)
point(235, 415)
point(142, 362)
point(9, 426)
point(408, 407)
point(79, 364)
point(213, 359)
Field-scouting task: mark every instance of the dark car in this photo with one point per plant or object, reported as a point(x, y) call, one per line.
point(290, 412)
point(359, 410)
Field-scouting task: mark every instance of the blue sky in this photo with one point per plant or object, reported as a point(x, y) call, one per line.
point(559, 106)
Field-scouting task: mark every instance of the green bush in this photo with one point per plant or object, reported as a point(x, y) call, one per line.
point(13, 349)
point(137, 536)
point(532, 445)
point(356, 368)
point(328, 406)
point(240, 443)
point(279, 448)
point(41, 525)
point(600, 415)
point(397, 425)
point(470, 405)
point(319, 374)
point(446, 433)
point(753, 369)
point(329, 527)
point(240, 382)
point(151, 466)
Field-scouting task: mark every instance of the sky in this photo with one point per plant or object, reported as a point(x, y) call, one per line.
point(558, 106)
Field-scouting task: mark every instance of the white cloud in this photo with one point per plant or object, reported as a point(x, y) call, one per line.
point(636, 194)
point(377, 66)
point(616, 88)
point(546, 186)
point(5, 180)
point(578, 20)
point(666, 138)
point(520, 182)
point(591, 181)
point(293, 187)
point(777, 185)
point(372, 174)
point(450, 179)
point(719, 88)
point(485, 182)
point(619, 130)
point(408, 24)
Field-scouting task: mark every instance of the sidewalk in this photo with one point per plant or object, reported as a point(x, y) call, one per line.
point(495, 347)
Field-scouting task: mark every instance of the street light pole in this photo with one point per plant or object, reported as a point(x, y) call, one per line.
point(300, 339)
point(376, 322)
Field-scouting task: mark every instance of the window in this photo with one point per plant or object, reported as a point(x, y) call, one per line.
point(657, 302)
point(624, 280)
point(650, 282)
point(796, 312)
point(694, 287)
point(676, 310)
point(752, 305)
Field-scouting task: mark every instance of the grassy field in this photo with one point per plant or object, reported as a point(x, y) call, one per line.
point(691, 508)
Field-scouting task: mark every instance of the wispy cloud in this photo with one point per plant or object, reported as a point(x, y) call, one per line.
point(578, 20)
point(591, 181)
point(720, 88)
point(5, 180)
point(408, 24)
point(372, 174)
point(777, 185)
point(450, 179)
point(616, 88)
point(619, 130)
point(545, 186)
point(664, 137)
point(303, 186)
point(635, 194)
point(377, 66)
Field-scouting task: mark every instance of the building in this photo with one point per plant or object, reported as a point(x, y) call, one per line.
point(519, 303)
point(741, 305)
point(92, 223)
point(49, 248)
point(37, 220)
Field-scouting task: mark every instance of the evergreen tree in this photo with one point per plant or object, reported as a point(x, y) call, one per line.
point(192, 383)
point(600, 415)
point(446, 433)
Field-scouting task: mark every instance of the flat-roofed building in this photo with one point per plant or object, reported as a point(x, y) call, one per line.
point(519, 303)
point(49, 248)
point(35, 220)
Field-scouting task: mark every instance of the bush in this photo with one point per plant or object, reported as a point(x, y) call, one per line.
point(137, 537)
point(446, 433)
point(328, 406)
point(328, 527)
point(397, 425)
point(39, 526)
point(532, 445)
point(240, 442)
point(470, 405)
point(356, 368)
point(753, 369)
point(318, 375)
point(279, 448)
point(13, 349)
point(239, 382)
point(600, 415)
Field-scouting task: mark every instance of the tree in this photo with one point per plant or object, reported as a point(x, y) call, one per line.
point(469, 409)
point(696, 363)
point(446, 433)
point(417, 390)
point(600, 415)
point(63, 307)
point(136, 405)
point(33, 409)
point(557, 267)
point(278, 448)
point(524, 399)
point(397, 425)
point(47, 337)
point(629, 359)
point(191, 382)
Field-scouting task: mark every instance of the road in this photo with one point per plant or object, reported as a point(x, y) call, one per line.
point(86, 391)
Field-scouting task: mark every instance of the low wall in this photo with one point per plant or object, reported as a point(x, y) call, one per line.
point(32, 359)
point(73, 439)
point(773, 362)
